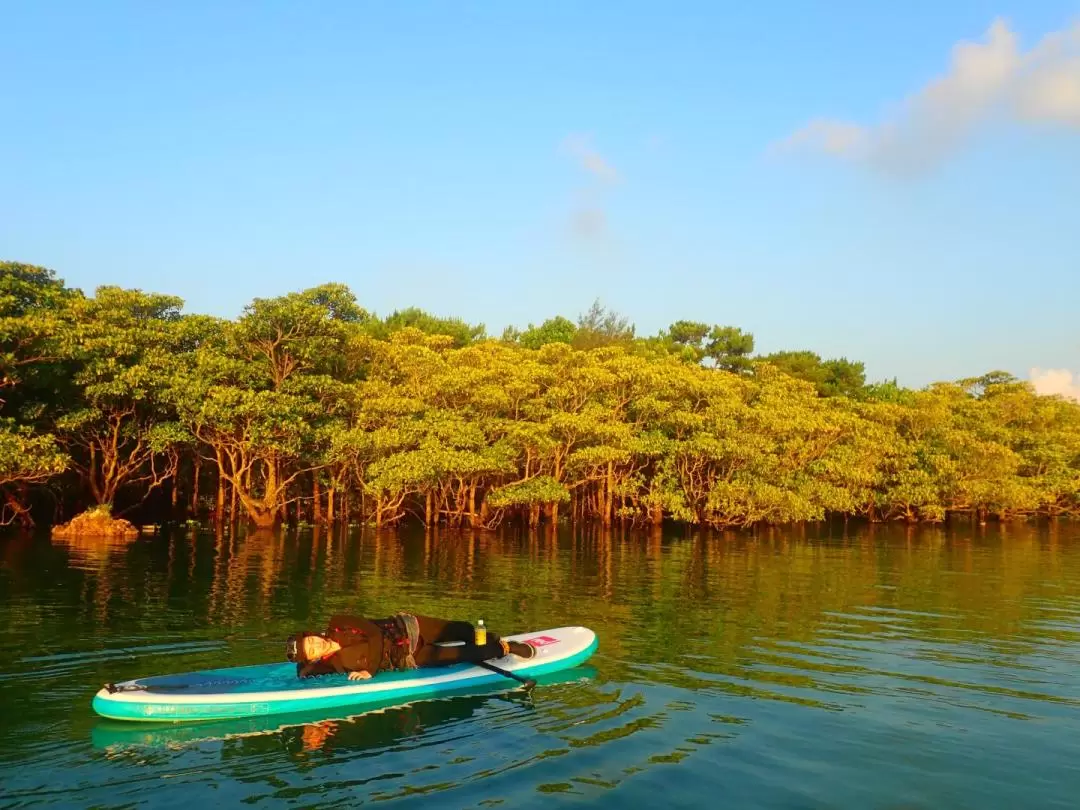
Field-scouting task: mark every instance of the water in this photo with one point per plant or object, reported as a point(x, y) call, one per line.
point(884, 668)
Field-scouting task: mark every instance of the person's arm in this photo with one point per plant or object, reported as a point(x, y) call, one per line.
point(326, 666)
point(361, 660)
point(375, 651)
point(366, 656)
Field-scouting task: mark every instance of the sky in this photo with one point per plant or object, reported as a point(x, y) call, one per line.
point(892, 183)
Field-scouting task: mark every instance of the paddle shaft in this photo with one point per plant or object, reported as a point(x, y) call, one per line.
point(529, 682)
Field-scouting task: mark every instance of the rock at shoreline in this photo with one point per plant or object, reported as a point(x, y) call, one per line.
point(96, 522)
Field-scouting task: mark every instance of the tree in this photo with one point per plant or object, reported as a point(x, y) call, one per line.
point(602, 327)
point(305, 403)
point(461, 333)
point(298, 333)
point(260, 441)
point(727, 347)
point(730, 348)
point(263, 401)
point(124, 346)
point(33, 304)
point(831, 378)
point(686, 339)
point(25, 458)
point(553, 330)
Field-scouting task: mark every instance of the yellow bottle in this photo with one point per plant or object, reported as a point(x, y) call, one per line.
point(481, 634)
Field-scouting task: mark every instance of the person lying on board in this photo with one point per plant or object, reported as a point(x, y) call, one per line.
point(364, 647)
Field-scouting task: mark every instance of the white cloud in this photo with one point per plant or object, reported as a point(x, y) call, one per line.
point(589, 159)
point(834, 137)
point(1056, 381)
point(986, 81)
point(588, 221)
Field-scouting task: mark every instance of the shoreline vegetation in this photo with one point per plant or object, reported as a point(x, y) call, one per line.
point(309, 409)
point(96, 522)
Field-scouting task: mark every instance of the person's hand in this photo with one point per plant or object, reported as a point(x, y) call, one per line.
point(362, 675)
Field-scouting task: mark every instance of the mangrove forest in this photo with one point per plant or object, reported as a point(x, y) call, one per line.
point(309, 408)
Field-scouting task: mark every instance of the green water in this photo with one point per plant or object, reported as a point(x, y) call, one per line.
point(804, 669)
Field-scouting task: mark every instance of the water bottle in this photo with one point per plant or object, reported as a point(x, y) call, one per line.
point(481, 634)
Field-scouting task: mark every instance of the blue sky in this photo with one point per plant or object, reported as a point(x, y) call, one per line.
point(826, 176)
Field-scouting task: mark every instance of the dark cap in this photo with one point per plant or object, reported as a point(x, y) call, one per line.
point(294, 647)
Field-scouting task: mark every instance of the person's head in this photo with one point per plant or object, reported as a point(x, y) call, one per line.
point(303, 647)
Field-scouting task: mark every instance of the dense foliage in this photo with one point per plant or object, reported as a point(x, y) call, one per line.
point(308, 407)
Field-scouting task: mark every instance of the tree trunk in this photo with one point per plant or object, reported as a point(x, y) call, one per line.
point(606, 517)
point(91, 472)
point(657, 514)
point(174, 495)
point(378, 512)
point(429, 508)
point(262, 518)
point(232, 506)
point(330, 506)
point(195, 488)
point(472, 506)
point(220, 510)
point(485, 512)
point(316, 499)
point(534, 515)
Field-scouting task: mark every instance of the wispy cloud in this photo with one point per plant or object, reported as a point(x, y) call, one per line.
point(589, 159)
point(986, 81)
point(588, 221)
point(1055, 381)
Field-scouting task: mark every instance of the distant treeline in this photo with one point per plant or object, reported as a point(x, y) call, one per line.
point(309, 408)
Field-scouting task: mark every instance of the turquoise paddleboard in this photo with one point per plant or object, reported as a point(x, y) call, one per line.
point(265, 689)
point(377, 724)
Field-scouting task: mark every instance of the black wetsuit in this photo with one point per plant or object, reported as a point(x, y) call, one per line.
point(367, 645)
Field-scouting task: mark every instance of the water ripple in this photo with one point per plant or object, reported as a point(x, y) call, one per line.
point(891, 672)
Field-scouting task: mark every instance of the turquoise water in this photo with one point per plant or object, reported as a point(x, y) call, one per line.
point(818, 668)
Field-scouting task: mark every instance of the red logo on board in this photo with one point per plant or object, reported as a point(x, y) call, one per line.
point(541, 641)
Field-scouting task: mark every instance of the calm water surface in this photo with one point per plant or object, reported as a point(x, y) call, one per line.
point(859, 669)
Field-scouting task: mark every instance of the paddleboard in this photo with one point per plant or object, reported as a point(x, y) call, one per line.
point(264, 689)
point(369, 725)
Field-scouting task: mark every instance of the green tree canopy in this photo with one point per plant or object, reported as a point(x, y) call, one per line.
point(831, 378)
point(460, 332)
point(308, 407)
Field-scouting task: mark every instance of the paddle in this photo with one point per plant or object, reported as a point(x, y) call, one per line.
point(529, 682)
